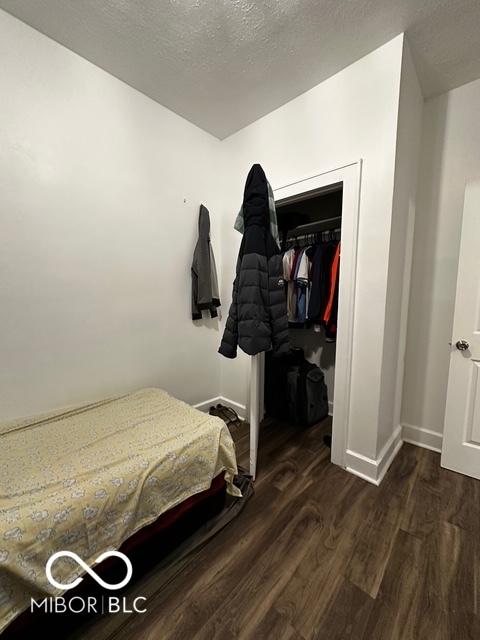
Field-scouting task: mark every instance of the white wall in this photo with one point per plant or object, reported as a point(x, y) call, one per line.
point(450, 157)
point(401, 243)
point(352, 115)
point(95, 237)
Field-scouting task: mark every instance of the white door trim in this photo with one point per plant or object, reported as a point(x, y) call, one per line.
point(350, 177)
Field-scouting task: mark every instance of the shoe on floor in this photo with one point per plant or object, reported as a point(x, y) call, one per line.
point(227, 413)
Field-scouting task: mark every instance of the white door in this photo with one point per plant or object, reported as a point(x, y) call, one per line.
point(461, 440)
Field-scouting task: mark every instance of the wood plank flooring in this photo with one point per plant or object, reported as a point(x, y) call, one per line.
point(320, 554)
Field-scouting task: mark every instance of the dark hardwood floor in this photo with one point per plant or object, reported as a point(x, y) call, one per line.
point(319, 553)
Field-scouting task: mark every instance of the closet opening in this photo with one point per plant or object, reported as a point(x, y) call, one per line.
point(318, 224)
point(299, 389)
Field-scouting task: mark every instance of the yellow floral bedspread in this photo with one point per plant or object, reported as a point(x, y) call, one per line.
point(86, 479)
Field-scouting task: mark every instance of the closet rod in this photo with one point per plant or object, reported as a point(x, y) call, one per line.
point(315, 222)
point(308, 235)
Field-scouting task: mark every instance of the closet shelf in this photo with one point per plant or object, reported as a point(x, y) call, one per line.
point(311, 225)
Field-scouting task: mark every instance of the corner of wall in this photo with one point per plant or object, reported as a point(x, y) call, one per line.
point(374, 469)
point(407, 147)
point(422, 437)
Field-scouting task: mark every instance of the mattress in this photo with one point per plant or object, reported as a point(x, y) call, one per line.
point(151, 543)
point(87, 479)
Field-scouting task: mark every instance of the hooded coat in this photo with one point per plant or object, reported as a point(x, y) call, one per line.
point(204, 273)
point(257, 319)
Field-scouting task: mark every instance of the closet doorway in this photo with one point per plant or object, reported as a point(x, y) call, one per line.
point(297, 202)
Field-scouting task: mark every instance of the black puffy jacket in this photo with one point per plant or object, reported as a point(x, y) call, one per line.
point(257, 319)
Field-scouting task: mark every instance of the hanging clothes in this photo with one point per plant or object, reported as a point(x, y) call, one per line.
point(322, 257)
point(288, 257)
point(302, 283)
point(257, 319)
point(331, 309)
point(272, 217)
point(312, 277)
point(204, 272)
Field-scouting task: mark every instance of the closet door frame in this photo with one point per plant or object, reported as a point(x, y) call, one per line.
point(349, 175)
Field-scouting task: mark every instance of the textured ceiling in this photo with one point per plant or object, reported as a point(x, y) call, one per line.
point(224, 63)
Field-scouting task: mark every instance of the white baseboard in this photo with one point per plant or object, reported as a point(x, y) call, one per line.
point(422, 437)
point(370, 469)
point(205, 406)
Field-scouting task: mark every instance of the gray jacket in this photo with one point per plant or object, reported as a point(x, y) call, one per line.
point(204, 273)
point(257, 319)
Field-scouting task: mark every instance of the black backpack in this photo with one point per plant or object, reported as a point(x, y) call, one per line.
point(295, 389)
point(276, 390)
point(307, 394)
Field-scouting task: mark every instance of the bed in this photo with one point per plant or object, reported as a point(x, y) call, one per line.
point(89, 479)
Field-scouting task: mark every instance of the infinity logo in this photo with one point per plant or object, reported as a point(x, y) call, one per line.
point(96, 577)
